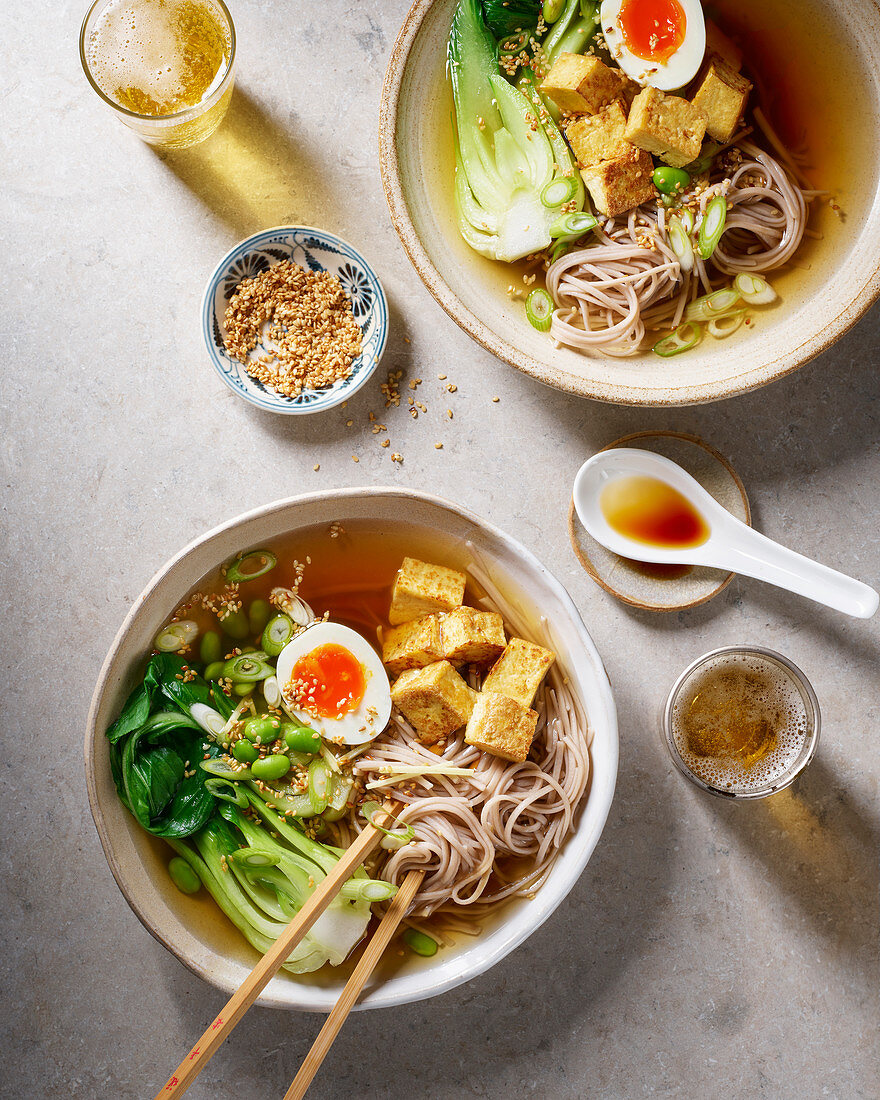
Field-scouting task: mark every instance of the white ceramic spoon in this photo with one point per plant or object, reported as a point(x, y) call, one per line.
point(731, 545)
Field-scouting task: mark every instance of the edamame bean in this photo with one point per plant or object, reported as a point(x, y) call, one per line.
point(301, 738)
point(671, 181)
point(419, 943)
point(183, 876)
point(241, 690)
point(210, 649)
point(244, 752)
point(214, 671)
point(271, 767)
point(258, 615)
point(235, 624)
point(263, 729)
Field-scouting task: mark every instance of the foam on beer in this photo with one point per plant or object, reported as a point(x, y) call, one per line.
point(158, 56)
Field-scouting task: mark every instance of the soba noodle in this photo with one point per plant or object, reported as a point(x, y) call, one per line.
point(493, 835)
point(611, 294)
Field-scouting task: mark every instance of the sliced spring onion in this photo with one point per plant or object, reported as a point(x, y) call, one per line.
point(393, 838)
point(712, 305)
point(319, 785)
point(687, 219)
point(559, 190)
point(680, 242)
point(286, 800)
point(222, 768)
point(329, 758)
point(720, 327)
point(539, 309)
point(247, 567)
point(712, 226)
point(176, 636)
point(572, 225)
point(684, 338)
point(340, 791)
point(279, 630)
point(419, 942)
point(370, 889)
point(292, 605)
point(271, 691)
point(226, 790)
point(249, 668)
point(754, 289)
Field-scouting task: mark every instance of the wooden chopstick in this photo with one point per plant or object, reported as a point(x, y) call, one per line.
point(271, 962)
point(365, 967)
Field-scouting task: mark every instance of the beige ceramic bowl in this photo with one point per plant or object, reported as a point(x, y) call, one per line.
point(192, 927)
point(819, 58)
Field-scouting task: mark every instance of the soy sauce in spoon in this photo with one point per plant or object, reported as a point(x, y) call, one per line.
point(652, 512)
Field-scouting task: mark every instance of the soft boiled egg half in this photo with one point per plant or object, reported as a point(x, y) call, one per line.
point(656, 42)
point(332, 680)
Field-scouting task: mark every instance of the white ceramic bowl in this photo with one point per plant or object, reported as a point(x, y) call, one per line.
point(138, 861)
point(828, 54)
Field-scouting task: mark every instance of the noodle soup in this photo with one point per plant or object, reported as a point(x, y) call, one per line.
point(346, 572)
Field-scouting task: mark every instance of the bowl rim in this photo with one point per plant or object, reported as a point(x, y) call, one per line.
point(362, 374)
point(540, 908)
point(783, 363)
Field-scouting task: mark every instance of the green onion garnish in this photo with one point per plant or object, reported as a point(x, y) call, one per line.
point(684, 338)
point(558, 191)
point(249, 668)
point(539, 310)
point(680, 243)
point(222, 769)
point(319, 785)
point(712, 226)
point(394, 838)
point(721, 327)
point(712, 305)
point(248, 567)
point(277, 634)
point(755, 289)
point(176, 636)
point(572, 225)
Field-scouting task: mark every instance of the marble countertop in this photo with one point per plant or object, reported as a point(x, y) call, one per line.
point(709, 949)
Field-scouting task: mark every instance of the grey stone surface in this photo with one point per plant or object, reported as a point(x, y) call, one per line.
point(708, 950)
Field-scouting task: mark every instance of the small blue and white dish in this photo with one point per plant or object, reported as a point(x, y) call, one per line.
point(315, 250)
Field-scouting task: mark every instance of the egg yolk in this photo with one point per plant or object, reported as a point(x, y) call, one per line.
point(652, 29)
point(329, 681)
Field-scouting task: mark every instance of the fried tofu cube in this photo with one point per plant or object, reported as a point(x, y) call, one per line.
point(666, 125)
point(502, 726)
point(412, 645)
point(435, 700)
point(582, 85)
point(722, 96)
point(421, 588)
point(519, 670)
point(719, 47)
point(598, 137)
point(622, 183)
point(470, 636)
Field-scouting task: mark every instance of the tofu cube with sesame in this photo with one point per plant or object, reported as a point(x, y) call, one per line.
point(412, 645)
point(667, 126)
point(582, 85)
point(421, 588)
point(720, 48)
point(502, 726)
point(598, 137)
point(470, 636)
point(435, 700)
point(722, 97)
point(622, 183)
point(519, 670)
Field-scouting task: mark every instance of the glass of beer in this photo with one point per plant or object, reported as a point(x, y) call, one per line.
point(164, 66)
point(742, 722)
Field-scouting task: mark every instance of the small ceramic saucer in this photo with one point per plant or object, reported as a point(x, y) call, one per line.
point(662, 587)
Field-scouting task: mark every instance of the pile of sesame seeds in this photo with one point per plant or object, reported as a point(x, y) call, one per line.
point(302, 324)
